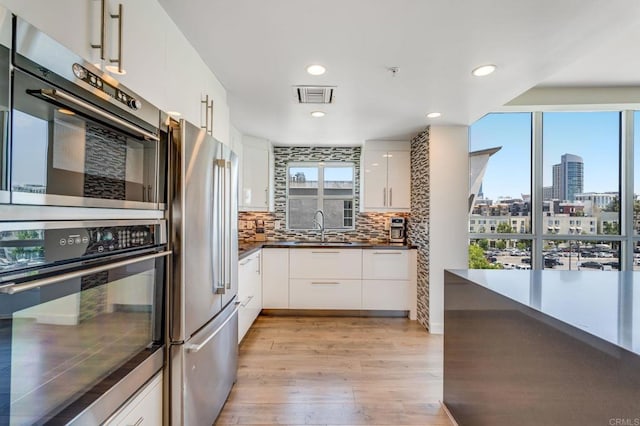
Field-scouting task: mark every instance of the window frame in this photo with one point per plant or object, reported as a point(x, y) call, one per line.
point(321, 165)
point(628, 237)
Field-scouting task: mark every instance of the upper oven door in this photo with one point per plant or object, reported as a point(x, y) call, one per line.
point(67, 152)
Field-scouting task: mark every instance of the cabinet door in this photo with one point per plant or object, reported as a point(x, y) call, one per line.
point(385, 265)
point(255, 178)
point(326, 294)
point(399, 180)
point(275, 278)
point(374, 169)
point(144, 409)
point(144, 40)
point(386, 295)
point(73, 23)
point(324, 263)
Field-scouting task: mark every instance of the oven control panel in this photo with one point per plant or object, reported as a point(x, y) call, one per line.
point(94, 80)
point(66, 244)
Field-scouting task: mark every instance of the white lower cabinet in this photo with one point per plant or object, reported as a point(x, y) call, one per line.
point(386, 295)
point(144, 409)
point(249, 292)
point(275, 278)
point(336, 278)
point(325, 294)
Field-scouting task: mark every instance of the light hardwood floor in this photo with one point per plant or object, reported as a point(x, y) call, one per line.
point(337, 371)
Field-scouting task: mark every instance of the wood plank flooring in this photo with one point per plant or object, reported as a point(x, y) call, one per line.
point(337, 371)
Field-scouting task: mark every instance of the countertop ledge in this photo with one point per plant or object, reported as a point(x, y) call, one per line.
point(246, 248)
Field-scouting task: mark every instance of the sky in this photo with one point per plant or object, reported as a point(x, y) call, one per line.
point(594, 136)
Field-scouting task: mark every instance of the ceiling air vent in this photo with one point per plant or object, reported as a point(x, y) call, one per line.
point(315, 94)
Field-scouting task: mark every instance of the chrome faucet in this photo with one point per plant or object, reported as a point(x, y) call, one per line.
point(319, 224)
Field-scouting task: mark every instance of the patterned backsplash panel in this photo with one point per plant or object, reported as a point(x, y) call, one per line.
point(369, 227)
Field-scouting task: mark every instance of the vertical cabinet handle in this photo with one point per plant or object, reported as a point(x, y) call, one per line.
point(208, 115)
point(384, 197)
point(390, 197)
point(103, 15)
point(119, 17)
point(266, 196)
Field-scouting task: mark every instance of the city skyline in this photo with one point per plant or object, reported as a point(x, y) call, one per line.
point(592, 136)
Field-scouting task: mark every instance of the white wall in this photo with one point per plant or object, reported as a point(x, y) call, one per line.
point(449, 190)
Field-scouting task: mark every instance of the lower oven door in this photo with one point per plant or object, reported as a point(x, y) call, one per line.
point(66, 339)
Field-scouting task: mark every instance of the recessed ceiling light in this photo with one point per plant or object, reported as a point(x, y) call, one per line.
point(317, 114)
point(433, 115)
point(174, 113)
point(483, 70)
point(66, 111)
point(316, 69)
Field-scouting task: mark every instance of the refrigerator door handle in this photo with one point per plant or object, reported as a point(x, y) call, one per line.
point(196, 347)
point(227, 193)
point(220, 221)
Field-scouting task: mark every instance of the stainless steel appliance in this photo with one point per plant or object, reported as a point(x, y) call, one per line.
point(5, 101)
point(397, 230)
point(203, 320)
point(78, 137)
point(81, 317)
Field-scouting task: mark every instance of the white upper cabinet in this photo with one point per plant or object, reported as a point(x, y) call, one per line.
point(386, 175)
point(142, 48)
point(256, 189)
point(160, 64)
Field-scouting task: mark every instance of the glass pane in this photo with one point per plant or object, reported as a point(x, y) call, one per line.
point(338, 181)
point(303, 181)
point(581, 173)
point(500, 174)
point(338, 214)
point(499, 254)
point(581, 255)
point(62, 339)
point(636, 174)
point(302, 213)
point(61, 154)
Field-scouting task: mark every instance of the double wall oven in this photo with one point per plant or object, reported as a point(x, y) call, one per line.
point(83, 240)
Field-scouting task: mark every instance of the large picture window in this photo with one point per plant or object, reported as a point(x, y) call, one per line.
point(328, 187)
point(549, 191)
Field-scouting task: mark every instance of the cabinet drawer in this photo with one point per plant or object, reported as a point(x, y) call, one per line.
point(144, 409)
point(325, 294)
point(385, 264)
point(323, 263)
point(386, 295)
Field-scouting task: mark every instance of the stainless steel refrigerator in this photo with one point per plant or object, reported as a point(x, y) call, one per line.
point(202, 304)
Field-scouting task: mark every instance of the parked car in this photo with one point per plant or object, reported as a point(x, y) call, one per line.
point(526, 260)
point(590, 265)
point(614, 265)
point(523, 266)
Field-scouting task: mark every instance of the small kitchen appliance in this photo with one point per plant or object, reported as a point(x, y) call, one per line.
point(397, 231)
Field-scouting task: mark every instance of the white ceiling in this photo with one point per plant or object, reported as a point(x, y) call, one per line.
point(259, 49)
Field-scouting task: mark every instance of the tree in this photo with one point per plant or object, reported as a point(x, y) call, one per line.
point(477, 259)
point(505, 228)
point(483, 243)
point(610, 228)
point(501, 244)
point(613, 206)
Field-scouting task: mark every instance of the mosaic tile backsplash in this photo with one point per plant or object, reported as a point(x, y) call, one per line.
point(418, 229)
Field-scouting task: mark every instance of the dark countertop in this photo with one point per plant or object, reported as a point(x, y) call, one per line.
point(603, 304)
point(246, 248)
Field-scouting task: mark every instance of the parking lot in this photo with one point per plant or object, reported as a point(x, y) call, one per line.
point(562, 261)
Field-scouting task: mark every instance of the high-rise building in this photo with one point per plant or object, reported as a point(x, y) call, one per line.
point(568, 177)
